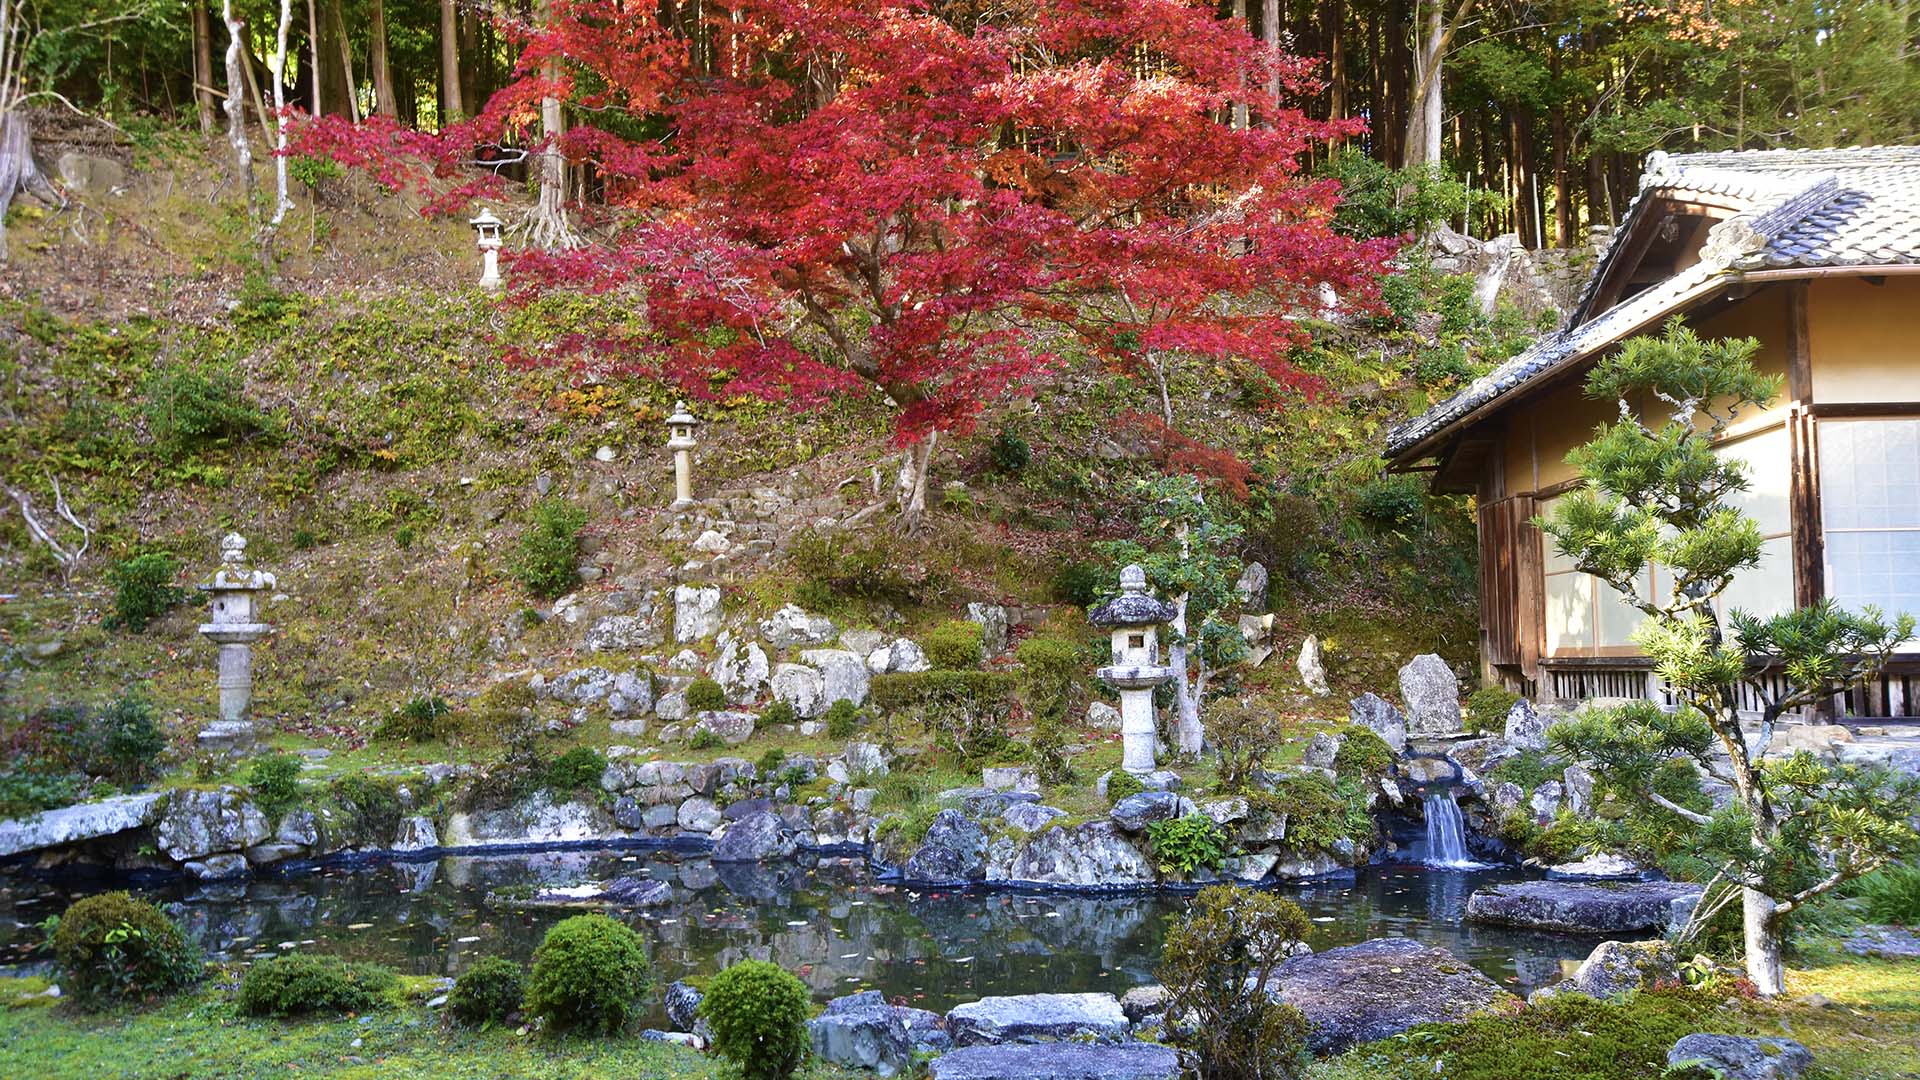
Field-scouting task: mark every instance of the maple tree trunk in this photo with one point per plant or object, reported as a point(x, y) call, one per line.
point(452, 106)
point(382, 72)
point(550, 227)
point(203, 66)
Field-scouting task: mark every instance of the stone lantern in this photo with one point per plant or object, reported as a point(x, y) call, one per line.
point(1135, 619)
point(680, 440)
point(486, 229)
point(236, 597)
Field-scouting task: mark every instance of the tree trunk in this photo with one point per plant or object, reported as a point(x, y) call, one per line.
point(347, 80)
point(916, 464)
point(278, 66)
point(452, 105)
point(1424, 112)
point(333, 77)
point(1270, 36)
point(237, 106)
point(203, 66)
point(1336, 29)
point(18, 171)
point(384, 103)
point(1188, 735)
point(1763, 925)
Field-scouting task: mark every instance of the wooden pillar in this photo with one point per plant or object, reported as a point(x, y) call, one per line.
point(1808, 536)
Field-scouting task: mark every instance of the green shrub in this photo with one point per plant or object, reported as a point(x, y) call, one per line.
point(187, 408)
point(589, 974)
point(423, 719)
point(1009, 453)
point(955, 645)
point(1217, 964)
point(129, 742)
point(777, 713)
point(966, 711)
point(1120, 784)
point(758, 1012)
point(1077, 583)
point(771, 763)
point(705, 739)
point(25, 789)
point(369, 807)
point(488, 993)
point(112, 947)
point(1363, 754)
point(1528, 769)
point(1319, 813)
point(1558, 841)
point(548, 562)
point(516, 774)
point(842, 719)
point(274, 780)
point(860, 567)
point(1185, 844)
point(578, 769)
point(1052, 674)
point(302, 983)
point(705, 695)
point(1891, 894)
point(503, 709)
point(143, 589)
point(1487, 709)
point(1243, 735)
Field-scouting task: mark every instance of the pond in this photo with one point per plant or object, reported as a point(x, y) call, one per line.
point(828, 921)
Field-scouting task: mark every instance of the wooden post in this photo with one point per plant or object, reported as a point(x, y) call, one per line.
point(1808, 536)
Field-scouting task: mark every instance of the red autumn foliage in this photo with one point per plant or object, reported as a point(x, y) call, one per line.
point(1175, 453)
point(818, 197)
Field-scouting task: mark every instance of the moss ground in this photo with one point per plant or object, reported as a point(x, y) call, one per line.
point(201, 1035)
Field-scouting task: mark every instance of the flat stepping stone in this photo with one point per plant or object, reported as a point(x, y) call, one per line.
point(1360, 993)
point(1885, 942)
point(1599, 907)
point(1026, 1018)
point(73, 824)
point(1058, 1061)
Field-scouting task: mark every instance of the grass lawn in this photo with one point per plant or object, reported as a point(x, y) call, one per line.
point(202, 1035)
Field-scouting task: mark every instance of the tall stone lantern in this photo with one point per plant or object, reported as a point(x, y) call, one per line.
point(486, 229)
point(236, 598)
point(680, 440)
point(1135, 619)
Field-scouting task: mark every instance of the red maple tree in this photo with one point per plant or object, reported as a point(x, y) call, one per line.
point(815, 197)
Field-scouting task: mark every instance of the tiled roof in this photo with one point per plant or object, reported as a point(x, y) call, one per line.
point(1802, 208)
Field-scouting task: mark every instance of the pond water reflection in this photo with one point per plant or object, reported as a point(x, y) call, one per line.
point(828, 921)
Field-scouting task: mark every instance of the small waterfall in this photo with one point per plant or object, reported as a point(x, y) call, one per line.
point(1446, 834)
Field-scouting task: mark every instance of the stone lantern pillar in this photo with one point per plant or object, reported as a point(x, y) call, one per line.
point(236, 597)
point(486, 229)
point(1135, 619)
point(680, 440)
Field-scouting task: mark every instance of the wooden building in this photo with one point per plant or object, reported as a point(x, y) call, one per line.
point(1816, 253)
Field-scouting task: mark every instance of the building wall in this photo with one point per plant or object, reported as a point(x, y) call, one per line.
point(1864, 339)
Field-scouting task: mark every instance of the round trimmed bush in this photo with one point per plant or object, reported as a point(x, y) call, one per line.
point(956, 645)
point(842, 719)
point(588, 974)
point(113, 947)
point(758, 1012)
point(705, 695)
point(302, 983)
point(489, 992)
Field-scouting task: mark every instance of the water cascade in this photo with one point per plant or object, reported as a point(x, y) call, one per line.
point(1446, 834)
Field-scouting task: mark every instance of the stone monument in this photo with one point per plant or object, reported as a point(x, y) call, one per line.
point(1135, 618)
point(680, 440)
point(236, 597)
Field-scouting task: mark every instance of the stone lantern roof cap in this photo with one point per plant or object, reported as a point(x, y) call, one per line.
point(681, 416)
point(1133, 607)
point(485, 219)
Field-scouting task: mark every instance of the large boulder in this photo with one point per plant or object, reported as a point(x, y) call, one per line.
point(696, 612)
point(1377, 714)
point(754, 838)
point(1526, 728)
point(1601, 907)
point(1313, 670)
point(1087, 856)
point(1135, 812)
point(993, 626)
point(792, 627)
point(1359, 993)
point(1030, 817)
point(682, 1003)
point(1028, 1018)
point(536, 819)
point(801, 687)
point(1431, 693)
point(843, 676)
point(1252, 586)
point(954, 851)
point(201, 823)
point(899, 655)
point(1058, 1061)
point(619, 633)
point(730, 726)
point(862, 1031)
point(1735, 1057)
point(1617, 967)
point(72, 824)
point(741, 669)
